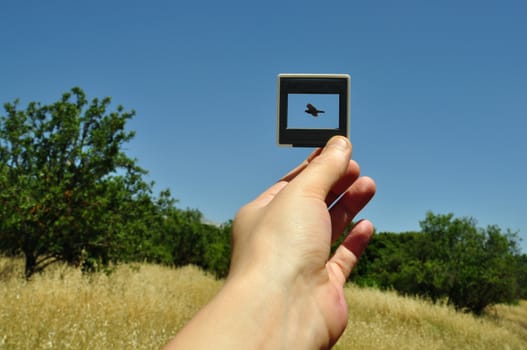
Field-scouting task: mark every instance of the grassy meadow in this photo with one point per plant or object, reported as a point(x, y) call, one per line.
point(141, 306)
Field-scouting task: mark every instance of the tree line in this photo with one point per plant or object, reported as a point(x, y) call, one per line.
point(450, 259)
point(69, 193)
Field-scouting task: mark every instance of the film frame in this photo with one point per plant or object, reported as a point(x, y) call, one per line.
point(293, 85)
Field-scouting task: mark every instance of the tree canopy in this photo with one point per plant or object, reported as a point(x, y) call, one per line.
point(65, 181)
point(449, 259)
point(68, 192)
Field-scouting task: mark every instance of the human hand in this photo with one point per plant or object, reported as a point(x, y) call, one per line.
point(284, 236)
point(283, 290)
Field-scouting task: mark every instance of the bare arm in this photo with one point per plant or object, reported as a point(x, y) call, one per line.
point(283, 290)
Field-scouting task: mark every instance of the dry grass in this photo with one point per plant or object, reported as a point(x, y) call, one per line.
point(384, 320)
point(133, 308)
point(142, 306)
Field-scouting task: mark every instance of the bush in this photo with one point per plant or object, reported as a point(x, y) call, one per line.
point(450, 259)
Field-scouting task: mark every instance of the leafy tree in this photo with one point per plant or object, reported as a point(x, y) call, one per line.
point(382, 261)
point(450, 259)
point(191, 241)
point(67, 190)
point(477, 266)
point(218, 254)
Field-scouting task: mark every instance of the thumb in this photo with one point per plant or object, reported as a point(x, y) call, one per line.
point(323, 171)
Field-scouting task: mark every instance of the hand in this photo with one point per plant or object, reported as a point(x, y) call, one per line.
point(283, 289)
point(287, 232)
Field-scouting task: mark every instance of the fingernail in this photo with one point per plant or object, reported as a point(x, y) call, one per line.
point(338, 142)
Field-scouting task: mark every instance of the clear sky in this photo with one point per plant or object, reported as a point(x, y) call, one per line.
point(438, 106)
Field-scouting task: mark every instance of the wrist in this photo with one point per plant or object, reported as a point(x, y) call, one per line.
point(274, 316)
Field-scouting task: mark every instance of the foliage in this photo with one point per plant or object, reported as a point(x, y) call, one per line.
point(450, 259)
point(67, 190)
point(189, 240)
point(69, 193)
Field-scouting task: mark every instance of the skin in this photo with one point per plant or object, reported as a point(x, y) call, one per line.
point(283, 290)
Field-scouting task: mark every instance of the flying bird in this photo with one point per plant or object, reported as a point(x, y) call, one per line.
point(312, 110)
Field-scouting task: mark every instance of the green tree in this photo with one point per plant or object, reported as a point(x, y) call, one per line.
point(382, 263)
point(450, 259)
point(218, 254)
point(67, 190)
point(476, 267)
point(191, 241)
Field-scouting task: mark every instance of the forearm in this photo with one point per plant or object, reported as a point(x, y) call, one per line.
point(248, 315)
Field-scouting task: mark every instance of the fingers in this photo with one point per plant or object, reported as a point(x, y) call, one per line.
point(344, 182)
point(352, 201)
point(337, 150)
point(293, 173)
point(324, 170)
point(269, 194)
point(347, 254)
point(326, 174)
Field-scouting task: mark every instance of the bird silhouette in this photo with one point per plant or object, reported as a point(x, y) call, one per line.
point(312, 110)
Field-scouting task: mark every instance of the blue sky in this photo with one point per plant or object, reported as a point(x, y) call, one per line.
point(297, 118)
point(438, 105)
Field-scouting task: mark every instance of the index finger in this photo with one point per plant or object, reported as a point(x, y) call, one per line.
point(293, 173)
point(323, 171)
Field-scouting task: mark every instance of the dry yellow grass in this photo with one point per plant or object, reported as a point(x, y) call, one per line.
point(385, 320)
point(142, 306)
point(132, 308)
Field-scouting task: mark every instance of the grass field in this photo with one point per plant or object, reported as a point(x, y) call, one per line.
point(142, 306)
